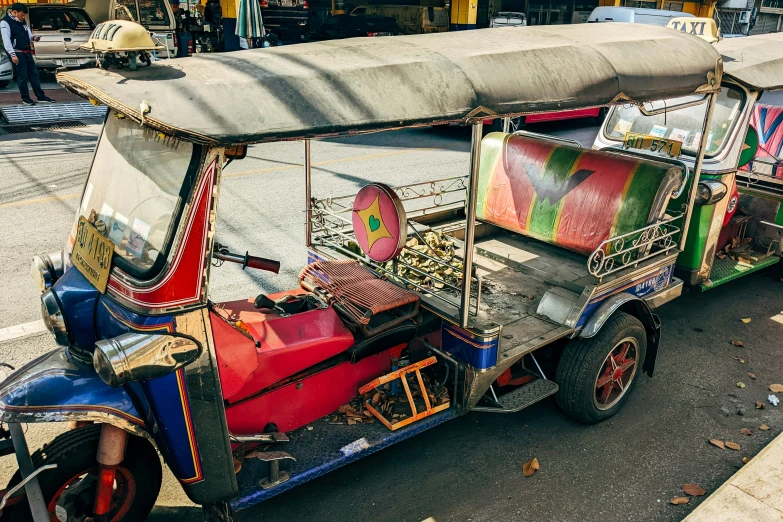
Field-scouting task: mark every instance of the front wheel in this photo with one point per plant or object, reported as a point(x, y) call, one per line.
point(69, 489)
point(596, 375)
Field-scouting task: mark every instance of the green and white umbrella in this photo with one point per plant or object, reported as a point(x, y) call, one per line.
point(249, 23)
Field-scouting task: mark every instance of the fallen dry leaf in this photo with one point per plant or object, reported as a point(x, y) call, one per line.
point(763, 427)
point(718, 443)
point(733, 445)
point(530, 467)
point(738, 343)
point(746, 431)
point(678, 501)
point(740, 385)
point(745, 460)
point(740, 359)
point(746, 320)
point(693, 490)
point(776, 388)
point(752, 375)
point(759, 405)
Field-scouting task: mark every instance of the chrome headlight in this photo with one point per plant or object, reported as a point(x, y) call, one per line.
point(139, 357)
point(46, 270)
point(710, 192)
point(53, 317)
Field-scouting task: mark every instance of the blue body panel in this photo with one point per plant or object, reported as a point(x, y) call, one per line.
point(57, 384)
point(78, 299)
point(480, 353)
point(640, 288)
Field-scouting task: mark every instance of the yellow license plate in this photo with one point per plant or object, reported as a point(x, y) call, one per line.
point(92, 254)
point(668, 148)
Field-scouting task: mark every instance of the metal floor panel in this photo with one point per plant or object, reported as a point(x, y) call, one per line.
point(727, 269)
point(28, 115)
point(523, 397)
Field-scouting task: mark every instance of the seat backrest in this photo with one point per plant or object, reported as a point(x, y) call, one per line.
point(568, 196)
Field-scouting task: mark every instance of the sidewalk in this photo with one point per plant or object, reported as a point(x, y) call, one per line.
point(753, 494)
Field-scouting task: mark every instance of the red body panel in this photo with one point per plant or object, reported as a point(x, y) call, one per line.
point(563, 115)
point(301, 402)
point(183, 282)
point(287, 345)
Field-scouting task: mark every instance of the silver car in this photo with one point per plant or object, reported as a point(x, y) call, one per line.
point(62, 29)
point(6, 70)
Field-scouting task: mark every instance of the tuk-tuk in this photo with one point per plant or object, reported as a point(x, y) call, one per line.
point(739, 231)
point(534, 274)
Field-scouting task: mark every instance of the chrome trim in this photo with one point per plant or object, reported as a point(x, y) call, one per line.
point(139, 356)
point(604, 312)
point(37, 417)
point(718, 191)
point(697, 166)
point(671, 292)
point(53, 317)
point(470, 223)
point(713, 234)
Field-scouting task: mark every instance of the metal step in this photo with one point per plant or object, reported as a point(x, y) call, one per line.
point(727, 269)
point(522, 397)
point(49, 112)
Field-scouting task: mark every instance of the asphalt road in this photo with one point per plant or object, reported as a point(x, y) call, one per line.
point(470, 469)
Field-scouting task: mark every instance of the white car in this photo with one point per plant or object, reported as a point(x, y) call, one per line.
point(508, 19)
point(6, 70)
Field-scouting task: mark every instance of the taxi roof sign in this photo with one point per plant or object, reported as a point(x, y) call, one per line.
point(704, 28)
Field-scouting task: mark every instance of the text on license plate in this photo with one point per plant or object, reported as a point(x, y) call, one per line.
point(669, 148)
point(70, 62)
point(91, 255)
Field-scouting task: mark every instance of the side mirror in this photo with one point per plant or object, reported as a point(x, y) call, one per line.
point(236, 152)
point(749, 147)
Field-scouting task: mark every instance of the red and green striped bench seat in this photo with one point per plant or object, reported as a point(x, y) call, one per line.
point(568, 196)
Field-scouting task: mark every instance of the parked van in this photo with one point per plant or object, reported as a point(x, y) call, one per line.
point(155, 15)
point(412, 19)
point(634, 15)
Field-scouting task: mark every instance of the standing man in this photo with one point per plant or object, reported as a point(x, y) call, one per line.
point(17, 40)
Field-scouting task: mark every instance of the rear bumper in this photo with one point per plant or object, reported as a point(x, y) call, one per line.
point(286, 18)
point(673, 291)
point(53, 62)
point(563, 115)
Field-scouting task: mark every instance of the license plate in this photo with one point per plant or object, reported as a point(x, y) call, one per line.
point(92, 254)
point(286, 3)
point(662, 146)
point(70, 62)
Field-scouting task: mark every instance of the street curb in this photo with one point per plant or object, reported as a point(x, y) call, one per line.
point(752, 494)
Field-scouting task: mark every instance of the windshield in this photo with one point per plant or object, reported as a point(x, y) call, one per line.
point(57, 18)
point(135, 191)
point(149, 13)
point(682, 121)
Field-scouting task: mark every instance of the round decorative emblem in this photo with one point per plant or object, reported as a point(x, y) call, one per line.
point(732, 205)
point(662, 279)
point(379, 222)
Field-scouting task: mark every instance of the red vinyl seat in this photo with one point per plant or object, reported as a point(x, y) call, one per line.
point(568, 196)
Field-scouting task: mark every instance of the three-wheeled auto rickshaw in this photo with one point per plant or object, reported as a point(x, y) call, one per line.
point(741, 231)
point(533, 275)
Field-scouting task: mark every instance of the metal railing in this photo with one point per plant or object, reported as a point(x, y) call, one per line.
point(416, 268)
point(628, 250)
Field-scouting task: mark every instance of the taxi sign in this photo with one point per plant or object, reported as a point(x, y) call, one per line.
point(704, 28)
point(92, 253)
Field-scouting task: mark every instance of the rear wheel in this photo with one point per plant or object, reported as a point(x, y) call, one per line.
point(69, 489)
point(596, 375)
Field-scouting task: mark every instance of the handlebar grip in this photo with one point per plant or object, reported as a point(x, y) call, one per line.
point(270, 265)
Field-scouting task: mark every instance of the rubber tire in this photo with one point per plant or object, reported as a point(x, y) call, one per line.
point(71, 450)
point(581, 361)
point(4, 83)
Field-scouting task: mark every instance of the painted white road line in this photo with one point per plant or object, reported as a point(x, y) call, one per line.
point(21, 330)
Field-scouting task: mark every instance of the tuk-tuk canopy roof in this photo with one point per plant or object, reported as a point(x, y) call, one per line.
point(365, 84)
point(756, 61)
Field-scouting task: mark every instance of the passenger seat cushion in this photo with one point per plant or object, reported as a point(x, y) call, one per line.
point(567, 196)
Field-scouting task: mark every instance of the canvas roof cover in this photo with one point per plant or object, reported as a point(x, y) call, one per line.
point(365, 84)
point(756, 61)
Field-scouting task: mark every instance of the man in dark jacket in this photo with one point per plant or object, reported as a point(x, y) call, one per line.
point(17, 40)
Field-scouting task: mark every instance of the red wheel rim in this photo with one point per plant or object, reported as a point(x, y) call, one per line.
point(616, 373)
point(121, 500)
